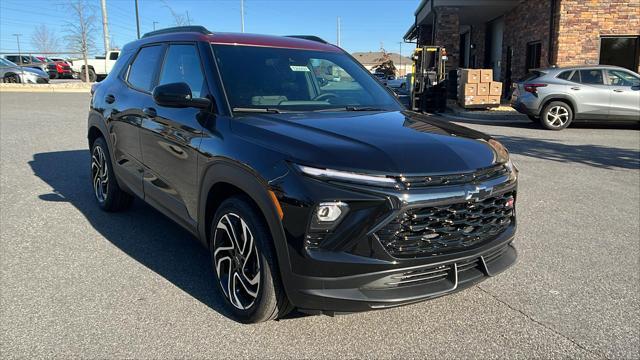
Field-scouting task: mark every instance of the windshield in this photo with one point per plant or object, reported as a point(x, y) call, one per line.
point(297, 80)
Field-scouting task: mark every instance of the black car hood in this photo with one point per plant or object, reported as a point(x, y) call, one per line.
point(386, 142)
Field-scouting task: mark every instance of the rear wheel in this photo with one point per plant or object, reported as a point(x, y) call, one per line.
point(557, 115)
point(105, 186)
point(244, 262)
point(92, 75)
point(11, 79)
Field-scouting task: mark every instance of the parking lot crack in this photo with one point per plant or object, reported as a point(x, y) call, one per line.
point(532, 319)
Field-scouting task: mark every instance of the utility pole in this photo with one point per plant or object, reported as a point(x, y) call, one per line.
point(154, 25)
point(338, 31)
point(19, 52)
point(399, 69)
point(137, 19)
point(188, 18)
point(105, 26)
point(242, 15)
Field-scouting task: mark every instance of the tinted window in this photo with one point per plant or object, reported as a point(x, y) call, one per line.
point(143, 69)
point(620, 51)
point(575, 77)
point(622, 78)
point(564, 75)
point(593, 77)
point(182, 64)
point(113, 56)
point(533, 55)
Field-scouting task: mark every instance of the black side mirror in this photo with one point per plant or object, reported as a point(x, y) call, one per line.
point(178, 95)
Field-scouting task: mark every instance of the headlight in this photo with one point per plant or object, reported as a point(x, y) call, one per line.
point(329, 174)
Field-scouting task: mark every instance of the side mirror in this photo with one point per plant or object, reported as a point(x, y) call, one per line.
point(178, 95)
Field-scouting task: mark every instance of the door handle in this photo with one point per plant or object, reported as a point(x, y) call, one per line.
point(150, 112)
point(109, 99)
point(618, 90)
point(575, 88)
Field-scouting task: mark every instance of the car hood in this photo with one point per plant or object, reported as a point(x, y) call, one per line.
point(400, 142)
point(35, 71)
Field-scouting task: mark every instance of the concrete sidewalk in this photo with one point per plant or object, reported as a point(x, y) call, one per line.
point(75, 87)
point(502, 113)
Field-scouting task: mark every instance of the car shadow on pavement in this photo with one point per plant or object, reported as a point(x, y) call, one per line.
point(594, 155)
point(141, 232)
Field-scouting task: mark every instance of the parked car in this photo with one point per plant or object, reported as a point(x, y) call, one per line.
point(555, 97)
point(99, 67)
point(58, 69)
point(27, 61)
point(326, 199)
point(12, 73)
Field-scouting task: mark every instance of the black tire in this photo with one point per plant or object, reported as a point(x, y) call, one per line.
point(557, 115)
point(533, 118)
point(106, 190)
point(92, 75)
point(252, 302)
point(11, 79)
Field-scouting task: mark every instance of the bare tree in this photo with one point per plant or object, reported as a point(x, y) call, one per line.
point(80, 31)
point(178, 18)
point(44, 39)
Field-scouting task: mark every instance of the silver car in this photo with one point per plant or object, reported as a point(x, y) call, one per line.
point(12, 73)
point(557, 96)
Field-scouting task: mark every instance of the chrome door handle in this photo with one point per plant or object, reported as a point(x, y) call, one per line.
point(618, 90)
point(575, 88)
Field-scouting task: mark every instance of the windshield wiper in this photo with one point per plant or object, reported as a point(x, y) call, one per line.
point(256, 110)
point(363, 108)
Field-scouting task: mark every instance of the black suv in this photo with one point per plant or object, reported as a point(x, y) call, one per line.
point(311, 186)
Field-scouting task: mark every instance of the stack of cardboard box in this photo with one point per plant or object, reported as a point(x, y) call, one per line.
point(476, 88)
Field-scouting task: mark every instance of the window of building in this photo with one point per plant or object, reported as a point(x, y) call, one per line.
point(143, 68)
point(182, 64)
point(591, 77)
point(534, 50)
point(620, 51)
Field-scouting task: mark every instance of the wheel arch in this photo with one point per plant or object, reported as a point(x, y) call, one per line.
point(559, 97)
point(225, 178)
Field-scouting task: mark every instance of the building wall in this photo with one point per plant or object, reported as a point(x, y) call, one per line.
point(448, 33)
point(583, 22)
point(527, 23)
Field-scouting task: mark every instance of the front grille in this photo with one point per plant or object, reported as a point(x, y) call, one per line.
point(455, 179)
point(441, 229)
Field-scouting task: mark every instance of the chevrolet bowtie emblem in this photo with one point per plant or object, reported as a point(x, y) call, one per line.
point(478, 192)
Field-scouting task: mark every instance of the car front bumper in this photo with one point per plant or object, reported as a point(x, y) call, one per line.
point(351, 270)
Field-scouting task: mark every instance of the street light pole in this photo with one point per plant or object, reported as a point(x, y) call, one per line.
point(154, 25)
point(19, 52)
point(338, 31)
point(400, 42)
point(105, 26)
point(242, 15)
point(137, 19)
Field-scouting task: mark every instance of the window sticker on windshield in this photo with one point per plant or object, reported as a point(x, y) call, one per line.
point(299, 68)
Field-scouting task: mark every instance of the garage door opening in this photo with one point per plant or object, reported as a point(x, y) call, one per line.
point(621, 51)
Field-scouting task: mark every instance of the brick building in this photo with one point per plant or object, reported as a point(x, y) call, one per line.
point(513, 36)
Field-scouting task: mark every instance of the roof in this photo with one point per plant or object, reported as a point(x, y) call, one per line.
point(583, 66)
point(242, 39)
point(376, 57)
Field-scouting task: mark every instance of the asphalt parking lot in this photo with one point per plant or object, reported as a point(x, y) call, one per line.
point(78, 282)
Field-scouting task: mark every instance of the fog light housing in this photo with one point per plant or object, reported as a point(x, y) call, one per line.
point(328, 215)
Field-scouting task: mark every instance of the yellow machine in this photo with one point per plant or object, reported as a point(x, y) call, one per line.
point(429, 88)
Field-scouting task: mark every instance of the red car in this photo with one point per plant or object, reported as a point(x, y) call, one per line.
point(57, 68)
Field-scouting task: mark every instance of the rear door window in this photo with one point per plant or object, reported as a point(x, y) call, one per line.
point(591, 77)
point(565, 75)
point(575, 77)
point(144, 68)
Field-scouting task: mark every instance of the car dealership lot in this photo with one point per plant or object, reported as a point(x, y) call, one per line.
point(78, 282)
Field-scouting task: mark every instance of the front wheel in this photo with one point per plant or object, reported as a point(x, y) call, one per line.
point(557, 115)
point(244, 263)
point(92, 75)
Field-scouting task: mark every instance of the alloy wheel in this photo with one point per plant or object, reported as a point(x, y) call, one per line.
point(99, 174)
point(236, 261)
point(557, 116)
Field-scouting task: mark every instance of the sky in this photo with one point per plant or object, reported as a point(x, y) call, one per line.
point(365, 24)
